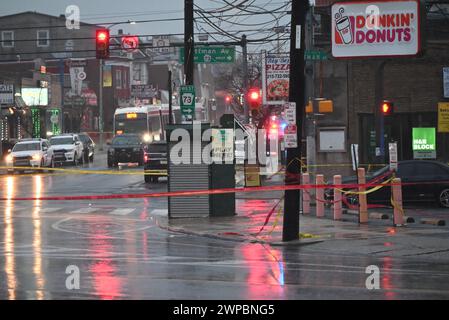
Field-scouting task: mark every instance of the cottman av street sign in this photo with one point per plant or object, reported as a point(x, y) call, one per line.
point(207, 54)
point(187, 103)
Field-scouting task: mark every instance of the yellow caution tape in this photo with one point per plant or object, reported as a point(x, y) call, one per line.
point(276, 220)
point(383, 184)
point(308, 236)
point(397, 206)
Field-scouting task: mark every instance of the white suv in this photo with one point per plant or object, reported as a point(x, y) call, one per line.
point(67, 148)
point(30, 153)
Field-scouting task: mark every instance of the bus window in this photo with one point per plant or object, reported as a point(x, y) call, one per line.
point(137, 123)
point(155, 124)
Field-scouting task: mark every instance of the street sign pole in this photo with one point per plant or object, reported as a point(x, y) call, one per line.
point(100, 102)
point(170, 98)
point(188, 41)
point(245, 78)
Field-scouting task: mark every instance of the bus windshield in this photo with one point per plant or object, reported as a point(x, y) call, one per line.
point(137, 124)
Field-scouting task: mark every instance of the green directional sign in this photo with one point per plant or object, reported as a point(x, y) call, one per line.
point(187, 103)
point(315, 55)
point(207, 54)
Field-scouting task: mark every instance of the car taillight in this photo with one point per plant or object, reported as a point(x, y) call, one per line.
point(145, 157)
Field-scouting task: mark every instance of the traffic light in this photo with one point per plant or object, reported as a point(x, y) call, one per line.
point(228, 99)
point(254, 98)
point(273, 125)
point(387, 108)
point(102, 43)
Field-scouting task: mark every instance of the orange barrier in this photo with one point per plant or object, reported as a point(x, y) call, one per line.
point(306, 194)
point(363, 207)
point(337, 199)
point(396, 191)
point(319, 197)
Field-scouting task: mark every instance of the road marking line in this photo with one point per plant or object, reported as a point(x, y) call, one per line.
point(159, 212)
point(85, 210)
point(122, 212)
point(49, 210)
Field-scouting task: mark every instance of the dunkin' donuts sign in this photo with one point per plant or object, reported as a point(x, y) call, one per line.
point(375, 28)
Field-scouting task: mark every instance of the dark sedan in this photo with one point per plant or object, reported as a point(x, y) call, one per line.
point(155, 159)
point(125, 149)
point(89, 147)
point(424, 180)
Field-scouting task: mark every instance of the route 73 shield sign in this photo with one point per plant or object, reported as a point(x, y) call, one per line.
point(187, 95)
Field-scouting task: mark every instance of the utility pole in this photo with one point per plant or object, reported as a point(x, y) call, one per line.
point(297, 88)
point(245, 77)
point(100, 103)
point(188, 42)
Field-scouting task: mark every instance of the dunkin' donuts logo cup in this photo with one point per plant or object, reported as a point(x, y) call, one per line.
point(344, 27)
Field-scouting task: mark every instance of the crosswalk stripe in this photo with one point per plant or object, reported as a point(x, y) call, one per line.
point(159, 212)
point(49, 210)
point(85, 210)
point(122, 212)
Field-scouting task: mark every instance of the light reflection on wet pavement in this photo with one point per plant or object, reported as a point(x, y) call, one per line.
point(128, 257)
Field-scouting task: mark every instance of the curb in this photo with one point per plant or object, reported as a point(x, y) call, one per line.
point(238, 238)
point(409, 219)
point(379, 216)
point(432, 221)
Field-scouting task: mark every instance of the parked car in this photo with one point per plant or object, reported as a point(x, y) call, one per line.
point(125, 149)
point(67, 148)
point(424, 180)
point(89, 147)
point(155, 158)
point(30, 153)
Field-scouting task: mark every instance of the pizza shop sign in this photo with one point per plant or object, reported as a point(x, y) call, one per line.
point(374, 28)
point(275, 78)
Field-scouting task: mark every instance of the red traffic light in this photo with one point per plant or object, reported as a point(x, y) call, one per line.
point(254, 98)
point(102, 43)
point(101, 36)
point(387, 108)
point(228, 99)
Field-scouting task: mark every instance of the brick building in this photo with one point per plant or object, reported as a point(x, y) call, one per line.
point(358, 85)
point(31, 40)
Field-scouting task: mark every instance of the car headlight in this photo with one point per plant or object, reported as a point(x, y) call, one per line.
point(147, 138)
point(36, 157)
point(9, 158)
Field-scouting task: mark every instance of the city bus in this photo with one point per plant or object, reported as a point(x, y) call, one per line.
point(148, 121)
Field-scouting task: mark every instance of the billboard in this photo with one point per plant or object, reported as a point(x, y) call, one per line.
point(6, 94)
point(375, 28)
point(143, 91)
point(34, 97)
point(275, 78)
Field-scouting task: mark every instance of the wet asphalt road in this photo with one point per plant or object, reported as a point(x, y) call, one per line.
point(121, 253)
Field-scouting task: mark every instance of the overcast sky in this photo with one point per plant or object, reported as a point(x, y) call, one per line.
point(104, 11)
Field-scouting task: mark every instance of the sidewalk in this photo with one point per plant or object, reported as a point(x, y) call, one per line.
point(347, 236)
